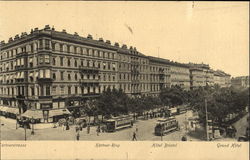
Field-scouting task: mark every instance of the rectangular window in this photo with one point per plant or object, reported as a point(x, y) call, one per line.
point(69, 90)
point(54, 90)
point(104, 65)
point(62, 91)
point(61, 61)
point(46, 58)
point(47, 90)
point(61, 74)
point(76, 90)
point(41, 59)
point(40, 43)
point(47, 44)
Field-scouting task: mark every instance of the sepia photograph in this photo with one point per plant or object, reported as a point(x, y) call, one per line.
point(124, 71)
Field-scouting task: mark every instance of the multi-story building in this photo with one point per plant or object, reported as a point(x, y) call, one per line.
point(240, 82)
point(222, 79)
point(159, 74)
point(200, 75)
point(49, 71)
point(179, 75)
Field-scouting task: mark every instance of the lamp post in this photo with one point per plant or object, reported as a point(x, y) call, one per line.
point(32, 131)
point(207, 134)
point(25, 127)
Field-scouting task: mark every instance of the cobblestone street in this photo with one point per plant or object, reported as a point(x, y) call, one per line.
point(145, 132)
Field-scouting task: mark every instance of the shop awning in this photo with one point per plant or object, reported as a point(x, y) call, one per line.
point(4, 109)
point(13, 110)
point(36, 114)
point(36, 74)
point(30, 60)
point(58, 112)
point(18, 75)
point(31, 74)
point(22, 75)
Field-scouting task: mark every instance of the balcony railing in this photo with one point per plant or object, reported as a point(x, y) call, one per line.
point(20, 96)
point(89, 80)
point(44, 97)
point(86, 68)
point(134, 71)
point(44, 79)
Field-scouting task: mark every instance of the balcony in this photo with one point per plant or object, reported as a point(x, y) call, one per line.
point(44, 80)
point(20, 97)
point(89, 81)
point(88, 69)
point(44, 97)
point(135, 72)
point(135, 81)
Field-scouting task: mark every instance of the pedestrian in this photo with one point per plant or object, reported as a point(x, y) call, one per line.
point(134, 137)
point(88, 129)
point(136, 129)
point(132, 123)
point(67, 126)
point(63, 126)
point(103, 129)
point(98, 130)
point(77, 128)
point(77, 136)
point(184, 138)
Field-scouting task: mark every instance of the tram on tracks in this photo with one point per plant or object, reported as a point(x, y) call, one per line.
point(117, 123)
point(166, 125)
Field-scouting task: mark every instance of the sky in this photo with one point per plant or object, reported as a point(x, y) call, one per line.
point(214, 33)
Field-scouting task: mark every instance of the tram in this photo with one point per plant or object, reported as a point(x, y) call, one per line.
point(117, 123)
point(166, 125)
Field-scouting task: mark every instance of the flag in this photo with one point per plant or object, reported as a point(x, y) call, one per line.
point(129, 28)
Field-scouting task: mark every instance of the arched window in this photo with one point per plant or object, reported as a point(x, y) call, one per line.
point(75, 63)
point(69, 62)
point(69, 77)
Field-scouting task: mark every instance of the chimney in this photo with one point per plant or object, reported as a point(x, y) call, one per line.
point(64, 31)
point(10, 39)
point(16, 37)
point(47, 27)
point(117, 44)
point(89, 36)
point(108, 42)
point(124, 46)
point(75, 34)
point(101, 40)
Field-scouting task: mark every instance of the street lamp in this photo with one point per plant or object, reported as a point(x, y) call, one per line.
point(207, 134)
point(32, 131)
point(25, 127)
point(207, 126)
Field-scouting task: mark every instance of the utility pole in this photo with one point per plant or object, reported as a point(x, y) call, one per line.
point(25, 126)
point(206, 120)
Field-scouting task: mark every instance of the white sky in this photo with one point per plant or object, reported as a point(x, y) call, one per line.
point(215, 33)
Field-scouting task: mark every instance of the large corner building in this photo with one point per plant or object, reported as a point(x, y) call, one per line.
point(48, 70)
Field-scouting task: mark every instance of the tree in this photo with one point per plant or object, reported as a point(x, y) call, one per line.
point(173, 96)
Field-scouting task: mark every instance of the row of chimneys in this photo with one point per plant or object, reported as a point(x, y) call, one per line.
point(47, 28)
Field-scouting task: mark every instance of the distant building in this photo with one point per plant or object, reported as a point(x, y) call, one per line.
point(240, 82)
point(222, 79)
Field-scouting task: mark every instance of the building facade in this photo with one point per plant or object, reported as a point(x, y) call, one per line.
point(240, 82)
point(222, 79)
point(48, 70)
point(180, 75)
